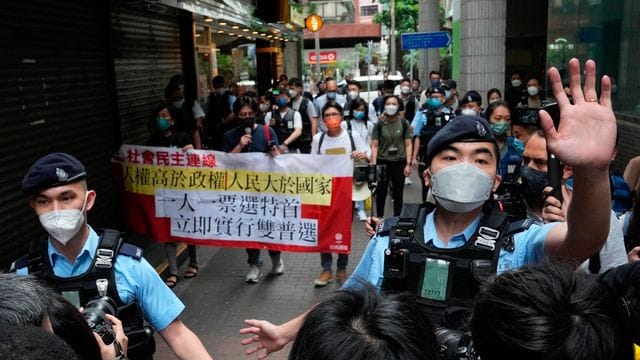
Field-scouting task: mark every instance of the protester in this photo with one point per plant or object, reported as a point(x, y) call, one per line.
point(358, 124)
point(251, 137)
point(499, 117)
point(308, 113)
point(331, 93)
point(32, 343)
point(334, 142)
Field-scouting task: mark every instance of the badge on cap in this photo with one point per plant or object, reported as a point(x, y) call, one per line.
point(61, 174)
point(481, 130)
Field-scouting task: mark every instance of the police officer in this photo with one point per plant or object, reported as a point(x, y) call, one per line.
point(83, 263)
point(426, 123)
point(462, 162)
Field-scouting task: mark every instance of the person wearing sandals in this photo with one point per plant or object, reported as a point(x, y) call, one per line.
point(160, 126)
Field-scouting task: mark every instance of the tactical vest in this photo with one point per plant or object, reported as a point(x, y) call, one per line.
point(433, 123)
point(283, 126)
point(306, 122)
point(111, 244)
point(445, 280)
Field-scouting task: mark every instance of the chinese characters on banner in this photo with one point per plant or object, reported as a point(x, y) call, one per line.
point(290, 203)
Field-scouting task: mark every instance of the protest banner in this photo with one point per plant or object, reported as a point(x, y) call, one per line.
point(292, 202)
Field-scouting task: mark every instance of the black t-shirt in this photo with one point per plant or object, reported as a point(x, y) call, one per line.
point(178, 139)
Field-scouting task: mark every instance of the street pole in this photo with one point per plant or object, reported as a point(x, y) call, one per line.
point(411, 67)
point(317, 40)
point(392, 37)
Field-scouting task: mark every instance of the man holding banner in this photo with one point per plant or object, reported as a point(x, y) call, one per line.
point(251, 137)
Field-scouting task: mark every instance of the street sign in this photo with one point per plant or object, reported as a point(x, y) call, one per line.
point(314, 22)
point(367, 59)
point(425, 40)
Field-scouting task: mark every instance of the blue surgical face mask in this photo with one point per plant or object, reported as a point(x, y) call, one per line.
point(281, 101)
point(433, 103)
point(162, 124)
point(358, 115)
point(331, 95)
point(447, 93)
point(500, 128)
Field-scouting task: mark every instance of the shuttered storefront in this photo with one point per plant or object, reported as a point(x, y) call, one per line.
point(146, 51)
point(56, 94)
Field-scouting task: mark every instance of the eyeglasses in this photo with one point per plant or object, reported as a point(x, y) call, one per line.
point(332, 115)
point(246, 115)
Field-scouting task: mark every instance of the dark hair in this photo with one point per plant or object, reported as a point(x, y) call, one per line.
point(359, 102)
point(295, 82)
point(532, 77)
point(384, 99)
point(153, 116)
point(359, 324)
point(170, 89)
point(353, 82)
point(32, 343)
point(416, 79)
point(332, 104)
point(218, 81)
point(547, 312)
point(493, 91)
point(388, 84)
point(405, 80)
point(436, 72)
point(493, 106)
point(70, 326)
point(177, 79)
point(244, 101)
point(23, 300)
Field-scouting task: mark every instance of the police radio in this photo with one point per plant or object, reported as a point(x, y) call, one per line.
point(396, 257)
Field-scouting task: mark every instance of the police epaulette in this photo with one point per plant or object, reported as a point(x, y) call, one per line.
point(517, 226)
point(385, 226)
point(131, 251)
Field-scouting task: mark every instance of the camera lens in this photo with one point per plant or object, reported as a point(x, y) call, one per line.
point(95, 315)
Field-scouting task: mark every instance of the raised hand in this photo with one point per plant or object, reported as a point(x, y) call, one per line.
point(587, 132)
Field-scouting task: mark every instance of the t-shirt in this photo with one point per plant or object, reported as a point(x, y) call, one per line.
point(258, 138)
point(297, 119)
point(340, 144)
point(391, 137)
point(311, 109)
point(360, 128)
point(178, 140)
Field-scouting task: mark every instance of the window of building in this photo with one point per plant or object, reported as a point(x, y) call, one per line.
point(336, 12)
point(368, 10)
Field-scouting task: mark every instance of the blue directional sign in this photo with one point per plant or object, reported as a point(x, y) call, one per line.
point(425, 40)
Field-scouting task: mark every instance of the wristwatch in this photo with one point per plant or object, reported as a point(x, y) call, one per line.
point(120, 354)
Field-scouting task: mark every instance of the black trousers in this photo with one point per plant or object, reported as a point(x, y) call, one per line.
point(394, 173)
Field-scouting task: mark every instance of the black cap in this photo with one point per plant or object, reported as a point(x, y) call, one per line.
point(450, 84)
point(435, 90)
point(52, 170)
point(471, 96)
point(466, 128)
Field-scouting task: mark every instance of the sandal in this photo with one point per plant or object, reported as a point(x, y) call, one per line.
point(171, 281)
point(192, 271)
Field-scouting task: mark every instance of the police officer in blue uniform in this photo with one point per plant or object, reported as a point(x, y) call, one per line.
point(464, 154)
point(84, 263)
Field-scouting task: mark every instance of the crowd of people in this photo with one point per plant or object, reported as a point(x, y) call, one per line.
point(522, 246)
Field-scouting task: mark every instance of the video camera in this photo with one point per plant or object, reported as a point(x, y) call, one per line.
point(511, 191)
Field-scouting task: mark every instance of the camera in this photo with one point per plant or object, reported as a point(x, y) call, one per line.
point(454, 344)
point(95, 315)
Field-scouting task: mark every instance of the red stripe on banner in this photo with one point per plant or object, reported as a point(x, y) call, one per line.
point(334, 223)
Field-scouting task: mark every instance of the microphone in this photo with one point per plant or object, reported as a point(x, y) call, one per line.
point(247, 131)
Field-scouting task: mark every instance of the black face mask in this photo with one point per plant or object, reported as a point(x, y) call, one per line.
point(533, 183)
point(246, 123)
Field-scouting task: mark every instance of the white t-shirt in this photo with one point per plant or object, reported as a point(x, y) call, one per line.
point(362, 130)
point(340, 144)
point(297, 119)
point(197, 110)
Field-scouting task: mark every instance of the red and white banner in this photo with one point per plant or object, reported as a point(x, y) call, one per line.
point(292, 202)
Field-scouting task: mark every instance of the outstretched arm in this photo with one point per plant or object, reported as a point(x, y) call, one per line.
point(584, 140)
point(270, 337)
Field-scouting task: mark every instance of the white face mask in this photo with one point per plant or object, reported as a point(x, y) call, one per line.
point(461, 188)
point(264, 107)
point(293, 93)
point(532, 90)
point(516, 82)
point(62, 225)
point(405, 90)
point(391, 109)
point(468, 111)
point(353, 95)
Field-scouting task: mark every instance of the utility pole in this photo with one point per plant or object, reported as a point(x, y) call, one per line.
point(392, 38)
point(428, 21)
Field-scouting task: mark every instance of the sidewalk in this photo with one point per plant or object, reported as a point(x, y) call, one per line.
point(218, 299)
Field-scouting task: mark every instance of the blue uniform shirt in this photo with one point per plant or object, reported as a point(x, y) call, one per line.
point(529, 249)
point(136, 281)
point(420, 120)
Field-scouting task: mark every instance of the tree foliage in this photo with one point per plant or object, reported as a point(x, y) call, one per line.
point(406, 16)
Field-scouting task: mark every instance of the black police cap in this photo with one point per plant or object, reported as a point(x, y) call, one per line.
point(471, 96)
point(465, 128)
point(52, 170)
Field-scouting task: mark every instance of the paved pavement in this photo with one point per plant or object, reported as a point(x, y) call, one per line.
point(218, 300)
